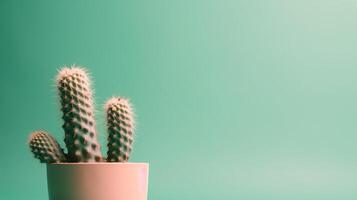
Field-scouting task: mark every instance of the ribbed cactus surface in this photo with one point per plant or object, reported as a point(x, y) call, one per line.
point(120, 126)
point(75, 93)
point(45, 148)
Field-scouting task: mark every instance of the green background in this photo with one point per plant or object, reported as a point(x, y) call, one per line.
point(250, 100)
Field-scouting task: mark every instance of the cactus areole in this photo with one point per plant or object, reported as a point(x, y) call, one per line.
point(80, 134)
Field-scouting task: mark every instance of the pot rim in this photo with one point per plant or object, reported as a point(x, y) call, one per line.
point(98, 163)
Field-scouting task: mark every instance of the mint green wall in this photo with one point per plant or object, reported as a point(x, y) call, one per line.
point(252, 100)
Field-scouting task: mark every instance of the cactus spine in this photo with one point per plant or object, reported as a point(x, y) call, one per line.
point(120, 127)
point(45, 148)
point(73, 86)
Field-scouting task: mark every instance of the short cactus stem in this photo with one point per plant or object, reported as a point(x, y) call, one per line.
point(45, 148)
point(120, 127)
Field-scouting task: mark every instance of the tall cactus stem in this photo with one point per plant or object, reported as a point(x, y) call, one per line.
point(75, 93)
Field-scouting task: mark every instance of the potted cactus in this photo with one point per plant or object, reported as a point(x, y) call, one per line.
point(82, 173)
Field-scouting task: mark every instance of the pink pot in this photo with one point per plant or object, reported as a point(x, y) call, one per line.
point(98, 181)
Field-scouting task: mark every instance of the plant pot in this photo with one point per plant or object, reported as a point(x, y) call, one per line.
point(97, 181)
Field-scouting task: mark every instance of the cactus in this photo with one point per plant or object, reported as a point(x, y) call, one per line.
point(120, 127)
point(76, 100)
point(73, 86)
point(46, 148)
